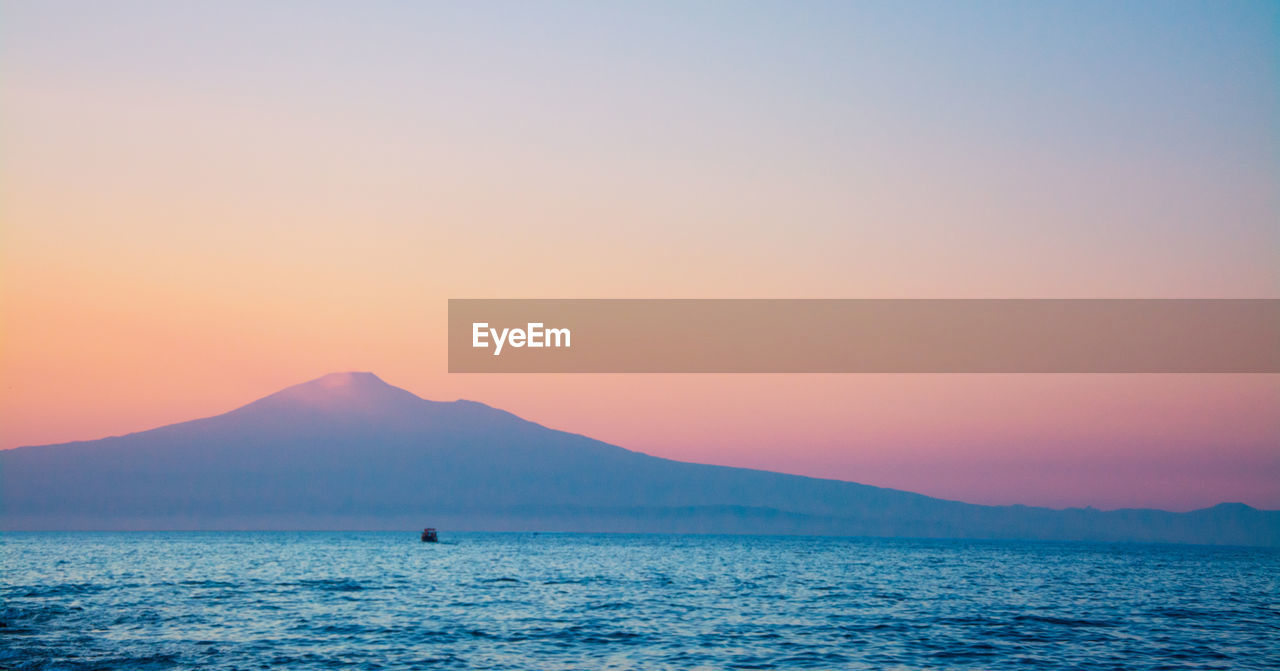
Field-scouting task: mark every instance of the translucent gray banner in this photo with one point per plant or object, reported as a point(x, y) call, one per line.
point(864, 336)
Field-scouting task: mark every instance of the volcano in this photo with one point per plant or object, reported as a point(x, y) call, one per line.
point(349, 451)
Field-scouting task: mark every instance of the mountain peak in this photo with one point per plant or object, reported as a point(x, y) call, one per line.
point(347, 384)
point(1233, 507)
point(346, 391)
point(347, 379)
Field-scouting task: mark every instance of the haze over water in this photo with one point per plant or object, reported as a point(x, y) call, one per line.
point(384, 600)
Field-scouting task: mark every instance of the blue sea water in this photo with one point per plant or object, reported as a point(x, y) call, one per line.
point(251, 600)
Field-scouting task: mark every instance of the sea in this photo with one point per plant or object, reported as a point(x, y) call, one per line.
point(385, 600)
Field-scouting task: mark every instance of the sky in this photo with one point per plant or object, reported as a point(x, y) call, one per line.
point(202, 203)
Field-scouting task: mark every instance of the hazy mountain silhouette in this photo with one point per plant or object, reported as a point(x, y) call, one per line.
point(348, 451)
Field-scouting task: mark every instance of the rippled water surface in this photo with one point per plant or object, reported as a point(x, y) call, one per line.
point(385, 600)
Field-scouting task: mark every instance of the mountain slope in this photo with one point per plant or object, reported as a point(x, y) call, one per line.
point(349, 451)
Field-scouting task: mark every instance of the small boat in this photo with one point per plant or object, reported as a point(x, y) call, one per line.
point(430, 536)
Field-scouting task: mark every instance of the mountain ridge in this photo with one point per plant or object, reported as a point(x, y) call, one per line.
point(349, 449)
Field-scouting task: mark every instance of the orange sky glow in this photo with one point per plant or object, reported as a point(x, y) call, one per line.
point(195, 213)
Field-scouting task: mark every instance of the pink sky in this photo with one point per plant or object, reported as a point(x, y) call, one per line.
point(200, 207)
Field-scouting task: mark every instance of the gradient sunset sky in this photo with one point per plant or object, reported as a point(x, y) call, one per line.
point(201, 203)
